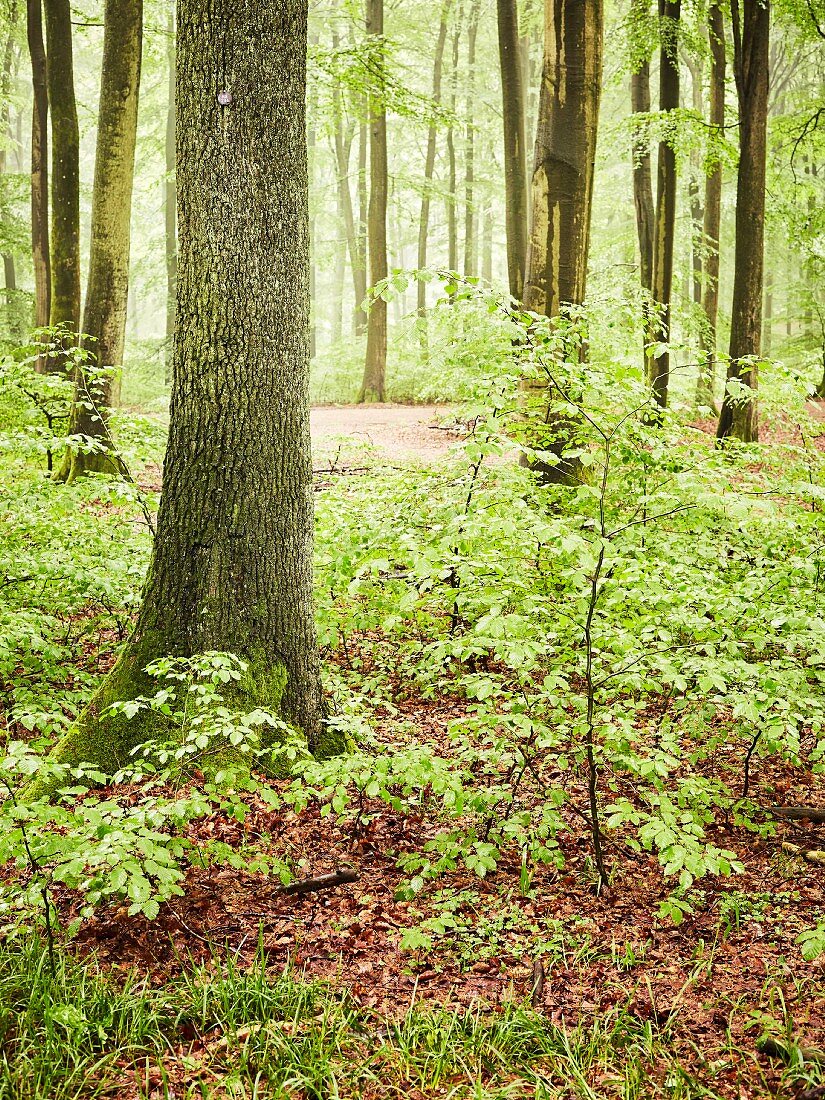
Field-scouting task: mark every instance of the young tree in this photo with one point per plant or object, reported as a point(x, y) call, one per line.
point(429, 164)
point(107, 291)
point(65, 174)
point(751, 48)
point(664, 225)
point(515, 145)
point(41, 255)
point(375, 366)
point(231, 568)
point(713, 207)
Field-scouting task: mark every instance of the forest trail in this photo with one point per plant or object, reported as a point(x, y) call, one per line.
point(396, 432)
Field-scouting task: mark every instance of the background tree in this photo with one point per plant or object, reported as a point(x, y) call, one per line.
point(41, 256)
point(515, 144)
point(429, 164)
point(170, 199)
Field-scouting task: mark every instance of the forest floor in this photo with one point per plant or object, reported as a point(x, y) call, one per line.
point(396, 432)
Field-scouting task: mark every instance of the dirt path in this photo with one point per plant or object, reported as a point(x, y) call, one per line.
point(397, 432)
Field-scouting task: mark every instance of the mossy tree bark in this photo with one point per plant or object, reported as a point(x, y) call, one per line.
point(664, 225)
point(65, 173)
point(429, 160)
point(751, 48)
point(41, 255)
point(562, 190)
point(375, 365)
point(515, 144)
point(713, 207)
point(231, 568)
point(107, 292)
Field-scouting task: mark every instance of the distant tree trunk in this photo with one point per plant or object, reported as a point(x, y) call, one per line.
point(363, 216)
point(429, 163)
point(65, 176)
point(170, 201)
point(751, 42)
point(664, 226)
point(375, 365)
point(342, 142)
point(487, 245)
point(470, 244)
point(337, 296)
point(515, 145)
point(563, 187)
point(713, 208)
point(642, 183)
point(452, 188)
point(696, 212)
point(41, 254)
point(767, 319)
point(16, 324)
point(231, 568)
point(104, 315)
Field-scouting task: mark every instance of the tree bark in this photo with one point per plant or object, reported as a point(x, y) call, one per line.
point(664, 226)
point(452, 186)
point(375, 365)
point(470, 241)
point(642, 183)
point(429, 163)
point(363, 217)
point(107, 291)
point(343, 148)
point(513, 105)
point(312, 110)
point(696, 212)
point(713, 207)
point(231, 568)
point(170, 201)
point(17, 325)
point(751, 41)
point(562, 190)
point(65, 174)
point(41, 255)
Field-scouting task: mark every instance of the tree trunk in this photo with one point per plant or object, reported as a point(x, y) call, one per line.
point(41, 254)
point(312, 109)
point(696, 212)
point(713, 208)
point(664, 226)
point(343, 148)
point(375, 365)
point(104, 315)
point(487, 246)
point(452, 197)
point(751, 42)
point(429, 163)
point(563, 189)
point(642, 184)
point(17, 325)
point(515, 144)
point(65, 176)
point(170, 201)
point(767, 318)
point(470, 245)
point(363, 217)
point(231, 568)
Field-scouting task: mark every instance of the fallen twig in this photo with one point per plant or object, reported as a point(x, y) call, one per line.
point(322, 882)
point(798, 813)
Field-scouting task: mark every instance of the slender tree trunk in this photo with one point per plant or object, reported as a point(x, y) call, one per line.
point(487, 245)
point(17, 326)
point(429, 163)
point(65, 175)
point(713, 208)
point(375, 365)
point(767, 318)
point(363, 217)
point(664, 226)
point(342, 141)
point(41, 254)
point(452, 188)
point(751, 41)
point(696, 212)
point(104, 315)
point(470, 244)
point(170, 201)
point(337, 296)
point(563, 188)
point(640, 148)
point(231, 568)
point(515, 145)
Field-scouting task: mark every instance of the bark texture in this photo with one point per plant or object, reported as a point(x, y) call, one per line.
point(375, 365)
point(41, 255)
point(664, 227)
point(713, 208)
point(65, 173)
point(751, 49)
point(642, 182)
point(515, 144)
point(232, 563)
point(107, 292)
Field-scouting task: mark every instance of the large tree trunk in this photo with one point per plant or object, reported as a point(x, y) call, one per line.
point(232, 563)
point(375, 365)
point(664, 227)
point(470, 244)
point(713, 208)
point(343, 148)
point(429, 163)
point(751, 41)
point(107, 291)
point(41, 255)
point(515, 144)
point(170, 200)
point(563, 189)
point(65, 175)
